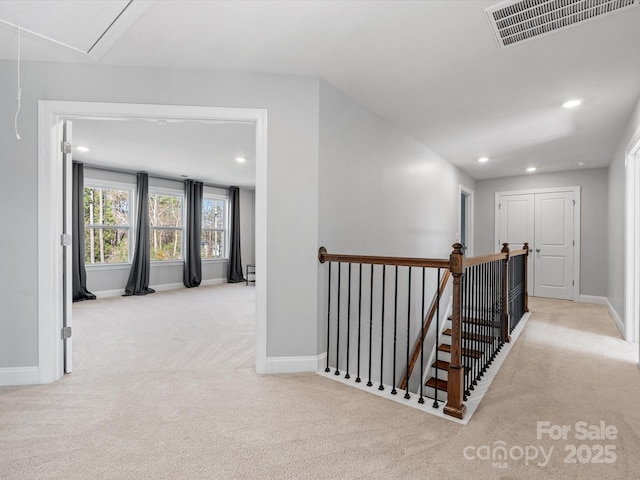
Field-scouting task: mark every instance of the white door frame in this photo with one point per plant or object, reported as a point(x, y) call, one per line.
point(632, 239)
point(576, 226)
point(468, 217)
point(50, 268)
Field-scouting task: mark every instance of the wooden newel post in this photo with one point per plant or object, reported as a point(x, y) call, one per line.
point(526, 278)
point(455, 382)
point(505, 294)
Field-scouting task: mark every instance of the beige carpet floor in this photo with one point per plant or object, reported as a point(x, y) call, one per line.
point(164, 388)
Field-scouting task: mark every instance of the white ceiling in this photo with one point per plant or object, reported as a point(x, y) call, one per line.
point(184, 149)
point(431, 67)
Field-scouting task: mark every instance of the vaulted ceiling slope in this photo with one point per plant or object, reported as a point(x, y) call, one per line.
point(431, 67)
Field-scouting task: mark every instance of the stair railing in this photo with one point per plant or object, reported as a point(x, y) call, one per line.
point(489, 297)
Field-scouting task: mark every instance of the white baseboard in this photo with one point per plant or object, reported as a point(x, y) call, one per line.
point(167, 286)
point(616, 319)
point(213, 281)
point(294, 364)
point(109, 293)
point(592, 299)
point(19, 376)
point(159, 288)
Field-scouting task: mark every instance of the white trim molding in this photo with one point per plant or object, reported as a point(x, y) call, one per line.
point(632, 240)
point(616, 318)
point(593, 299)
point(19, 376)
point(470, 212)
point(118, 292)
point(50, 209)
point(312, 363)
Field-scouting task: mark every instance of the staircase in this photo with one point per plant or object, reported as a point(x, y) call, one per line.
point(476, 343)
point(377, 307)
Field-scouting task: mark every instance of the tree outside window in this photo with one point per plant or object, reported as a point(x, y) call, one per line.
point(212, 240)
point(106, 222)
point(165, 222)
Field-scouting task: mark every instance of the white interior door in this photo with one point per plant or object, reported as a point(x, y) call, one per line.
point(516, 222)
point(67, 280)
point(553, 246)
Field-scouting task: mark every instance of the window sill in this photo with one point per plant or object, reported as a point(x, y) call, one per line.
point(107, 266)
point(215, 260)
point(166, 263)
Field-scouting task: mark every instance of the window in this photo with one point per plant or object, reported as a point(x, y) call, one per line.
point(165, 223)
point(106, 224)
point(213, 243)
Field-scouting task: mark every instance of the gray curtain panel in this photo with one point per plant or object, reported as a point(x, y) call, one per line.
point(192, 275)
point(234, 273)
point(138, 283)
point(79, 273)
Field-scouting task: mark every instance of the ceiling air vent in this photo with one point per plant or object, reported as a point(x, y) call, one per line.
point(516, 21)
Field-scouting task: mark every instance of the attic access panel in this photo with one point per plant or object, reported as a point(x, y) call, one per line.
point(87, 27)
point(516, 21)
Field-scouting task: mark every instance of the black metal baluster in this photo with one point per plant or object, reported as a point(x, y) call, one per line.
point(337, 372)
point(477, 318)
point(347, 376)
point(421, 399)
point(496, 305)
point(486, 351)
point(384, 281)
point(395, 333)
point(482, 295)
point(328, 319)
point(406, 393)
point(465, 325)
point(435, 401)
point(369, 383)
point(358, 379)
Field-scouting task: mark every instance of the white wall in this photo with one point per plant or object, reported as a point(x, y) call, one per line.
point(616, 224)
point(381, 193)
point(593, 235)
point(292, 104)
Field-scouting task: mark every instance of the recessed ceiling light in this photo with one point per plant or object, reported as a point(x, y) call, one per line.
point(82, 149)
point(531, 169)
point(573, 103)
point(241, 159)
point(483, 159)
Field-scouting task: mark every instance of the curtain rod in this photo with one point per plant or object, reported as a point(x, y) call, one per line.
point(152, 175)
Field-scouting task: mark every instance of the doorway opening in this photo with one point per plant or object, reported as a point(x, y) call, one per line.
point(465, 209)
point(52, 167)
point(632, 242)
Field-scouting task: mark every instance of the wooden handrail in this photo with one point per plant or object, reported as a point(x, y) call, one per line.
point(427, 324)
point(323, 256)
point(471, 261)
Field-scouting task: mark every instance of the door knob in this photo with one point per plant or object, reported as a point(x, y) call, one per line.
point(538, 250)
